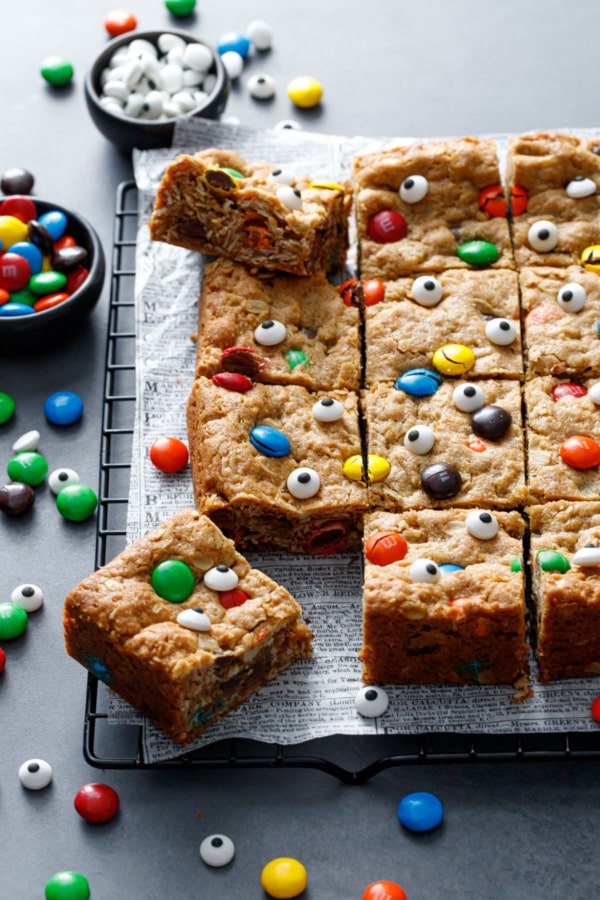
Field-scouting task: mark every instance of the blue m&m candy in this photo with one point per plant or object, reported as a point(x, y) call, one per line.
point(269, 441)
point(420, 811)
point(55, 221)
point(233, 41)
point(418, 382)
point(63, 408)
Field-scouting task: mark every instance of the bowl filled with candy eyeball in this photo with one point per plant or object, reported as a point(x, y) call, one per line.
point(143, 81)
point(51, 273)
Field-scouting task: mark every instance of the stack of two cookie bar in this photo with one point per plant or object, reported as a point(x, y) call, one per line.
point(482, 494)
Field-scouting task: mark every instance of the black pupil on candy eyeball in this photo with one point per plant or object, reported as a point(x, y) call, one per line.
point(296, 192)
point(28, 591)
point(276, 172)
point(33, 767)
point(198, 609)
point(371, 695)
point(217, 842)
point(413, 435)
point(469, 391)
point(485, 517)
point(567, 295)
point(429, 285)
point(268, 324)
point(327, 401)
point(544, 234)
point(578, 178)
point(304, 477)
point(63, 476)
point(408, 183)
point(505, 326)
point(431, 568)
point(222, 568)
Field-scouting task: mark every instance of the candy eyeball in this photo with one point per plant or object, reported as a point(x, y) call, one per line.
point(221, 578)
point(283, 176)
point(290, 197)
point(501, 332)
point(217, 850)
point(371, 702)
point(419, 439)
point(29, 596)
point(425, 570)
point(482, 525)
point(543, 236)
point(427, 291)
point(260, 33)
point(270, 332)
point(303, 483)
point(35, 774)
point(594, 393)
point(571, 297)
point(261, 87)
point(580, 187)
point(61, 478)
point(194, 619)
point(328, 410)
point(287, 125)
point(413, 188)
point(468, 397)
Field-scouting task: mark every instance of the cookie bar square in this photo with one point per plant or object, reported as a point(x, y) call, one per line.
point(183, 671)
point(561, 315)
point(452, 610)
point(559, 174)
point(270, 473)
point(563, 440)
point(217, 203)
point(298, 324)
point(565, 560)
point(477, 309)
point(442, 456)
point(435, 189)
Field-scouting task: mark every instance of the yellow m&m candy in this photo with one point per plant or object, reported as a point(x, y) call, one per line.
point(590, 258)
point(283, 878)
point(304, 91)
point(378, 468)
point(453, 359)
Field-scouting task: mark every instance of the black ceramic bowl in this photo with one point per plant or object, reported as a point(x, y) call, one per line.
point(127, 132)
point(51, 327)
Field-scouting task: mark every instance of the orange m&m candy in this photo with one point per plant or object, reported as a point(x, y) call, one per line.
point(384, 890)
point(385, 547)
point(168, 454)
point(580, 452)
point(119, 21)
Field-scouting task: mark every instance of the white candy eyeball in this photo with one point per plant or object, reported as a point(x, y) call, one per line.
point(233, 62)
point(371, 702)
point(261, 34)
point(60, 478)
point(328, 410)
point(290, 197)
point(587, 556)
point(283, 176)
point(543, 236)
point(270, 332)
point(194, 619)
point(35, 774)
point(134, 105)
point(426, 290)
point(501, 332)
point(571, 297)
point(197, 57)
point(167, 41)
point(468, 397)
point(413, 188)
point(152, 106)
point(482, 525)
point(141, 47)
point(28, 441)
point(303, 483)
point(261, 87)
point(288, 125)
point(221, 578)
point(594, 393)
point(419, 439)
point(425, 570)
point(29, 596)
point(117, 90)
point(580, 187)
point(217, 850)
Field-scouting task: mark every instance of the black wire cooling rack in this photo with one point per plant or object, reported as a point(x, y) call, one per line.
point(351, 759)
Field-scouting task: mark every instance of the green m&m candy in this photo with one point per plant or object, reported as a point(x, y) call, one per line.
point(180, 7)
point(516, 565)
point(57, 71)
point(297, 358)
point(478, 253)
point(76, 502)
point(7, 407)
point(13, 620)
point(67, 886)
point(173, 580)
point(47, 282)
point(28, 467)
point(553, 561)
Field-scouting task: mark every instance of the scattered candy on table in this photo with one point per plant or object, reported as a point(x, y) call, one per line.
point(260, 34)
point(383, 890)
point(173, 580)
point(234, 64)
point(13, 620)
point(17, 181)
point(96, 802)
point(371, 701)
point(7, 407)
point(2, 660)
point(61, 478)
point(67, 885)
point(29, 596)
point(28, 467)
point(235, 42)
point(168, 454)
point(35, 774)
point(57, 71)
point(420, 811)
point(283, 878)
point(16, 498)
point(217, 850)
point(595, 709)
point(63, 407)
point(76, 502)
point(119, 21)
point(180, 8)
point(304, 91)
point(261, 87)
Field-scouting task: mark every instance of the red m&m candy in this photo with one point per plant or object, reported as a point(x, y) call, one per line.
point(580, 452)
point(14, 271)
point(567, 389)
point(385, 547)
point(386, 226)
point(595, 709)
point(518, 200)
point(233, 381)
point(233, 597)
point(96, 802)
point(492, 201)
point(169, 454)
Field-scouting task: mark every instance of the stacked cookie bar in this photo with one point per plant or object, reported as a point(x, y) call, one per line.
point(481, 363)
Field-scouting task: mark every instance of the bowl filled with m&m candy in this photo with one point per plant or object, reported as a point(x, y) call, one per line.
point(51, 272)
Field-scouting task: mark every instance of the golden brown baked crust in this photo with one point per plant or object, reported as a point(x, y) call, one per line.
point(200, 207)
point(467, 628)
point(117, 626)
point(449, 215)
point(544, 164)
point(245, 491)
point(567, 602)
point(401, 334)
point(234, 302)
